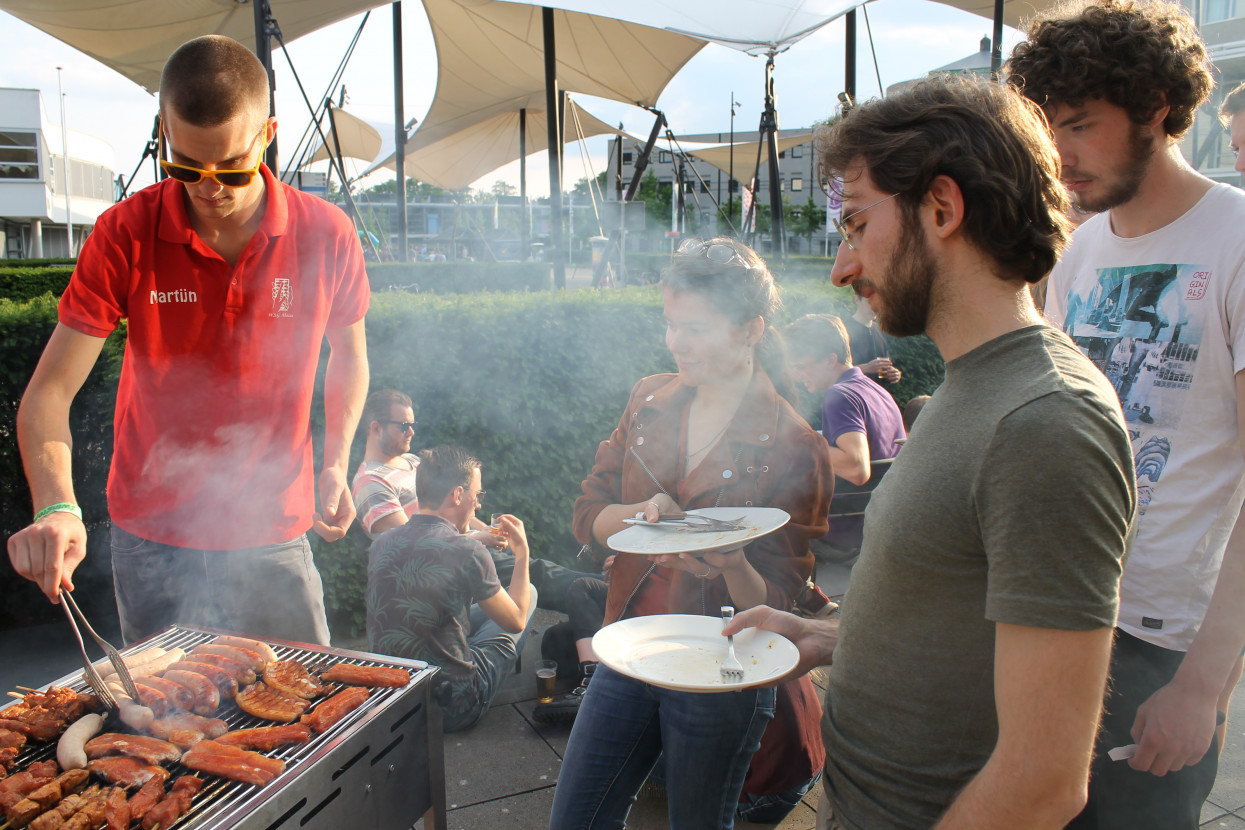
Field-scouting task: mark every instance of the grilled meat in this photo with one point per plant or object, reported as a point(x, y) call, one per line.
point(42, 715)
point(56, 816)
point(179, 697)
point(266, 738)
point(263, 701)
point(246, 656)
point(174, 805)
point(117, 814)
point(11, 738)
point(154, 699)
point(261, 648)
point(207, 698)
point(17, 786)
point(376, 676)
point(148, 796)
point(126, 772)
point(240, 672)
point(151, 750)
point(186, 730)
point(44, 797)
point(330, 711)
point(226, 686)
point(231, 762)
point(291, 677)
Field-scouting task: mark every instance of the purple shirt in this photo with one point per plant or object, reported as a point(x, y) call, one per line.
point(857, 403)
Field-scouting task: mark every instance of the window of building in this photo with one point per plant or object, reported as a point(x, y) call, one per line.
point(1217, 10)
point(797, 183)
point(797, 152)
point(704, 187)
point(627, 157)
point(19, 155)
point(733, 187)
point(663, 157)
point(782, 154)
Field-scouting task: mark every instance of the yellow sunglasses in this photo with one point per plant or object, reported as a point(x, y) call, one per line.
point(186, 174)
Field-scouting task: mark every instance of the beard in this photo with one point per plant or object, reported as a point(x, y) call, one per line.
point(1128, 179)
point(904, 310)
point(393, 448)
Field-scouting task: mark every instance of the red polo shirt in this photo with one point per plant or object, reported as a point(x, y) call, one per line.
point(212, 427)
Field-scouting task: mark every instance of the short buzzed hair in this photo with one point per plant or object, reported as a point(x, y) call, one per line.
point(441, 469)
point(1232, 106)
point(376, 407)
point(213, 79)
point(819, 336)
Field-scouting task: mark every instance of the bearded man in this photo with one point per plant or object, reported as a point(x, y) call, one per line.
point(992, 549)
point(1159, 268)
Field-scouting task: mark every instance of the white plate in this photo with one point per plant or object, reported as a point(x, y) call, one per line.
point(684, 652)
point(654, 541)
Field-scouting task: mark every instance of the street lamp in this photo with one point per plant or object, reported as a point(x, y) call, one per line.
point(65, 162)
point(730, 185)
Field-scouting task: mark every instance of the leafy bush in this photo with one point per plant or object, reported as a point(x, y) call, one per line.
point(37, 263)
point(26, 283)
point(459, 277)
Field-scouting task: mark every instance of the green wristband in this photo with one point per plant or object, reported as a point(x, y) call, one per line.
point(62, 507)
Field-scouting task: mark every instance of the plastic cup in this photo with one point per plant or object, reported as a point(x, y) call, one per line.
point(546, 677)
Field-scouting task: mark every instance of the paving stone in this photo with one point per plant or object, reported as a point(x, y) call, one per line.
point(528, 810)
point(1229, 822)
point(498, 757)
point(1210, 811)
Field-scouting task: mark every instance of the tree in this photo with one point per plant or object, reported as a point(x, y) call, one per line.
point(583, 188)
point(656, 197)
point(503, 188)
point(804, 220)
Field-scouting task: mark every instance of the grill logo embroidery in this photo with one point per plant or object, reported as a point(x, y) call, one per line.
point(282, 301)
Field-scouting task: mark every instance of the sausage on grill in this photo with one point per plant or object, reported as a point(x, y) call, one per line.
point(377, 676)
point(207, 698)
point(330, 711)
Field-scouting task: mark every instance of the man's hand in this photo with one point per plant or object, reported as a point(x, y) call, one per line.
point(48, 551)
point(512, 531)
point(1173, 729)
point(336, 506)
point(883, 368)
point(814, 639)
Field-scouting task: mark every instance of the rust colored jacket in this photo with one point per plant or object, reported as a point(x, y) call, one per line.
point(768, 457)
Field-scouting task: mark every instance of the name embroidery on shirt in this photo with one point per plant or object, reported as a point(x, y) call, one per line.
point(181, 295)
point(282, 299)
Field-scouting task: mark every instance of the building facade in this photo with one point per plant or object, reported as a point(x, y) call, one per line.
point(33, 180)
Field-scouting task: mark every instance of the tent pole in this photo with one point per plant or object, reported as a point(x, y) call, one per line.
point(849, 68)
point(996, 50)
point(618, 186)
point(525, 220)
point(263, 50)
point(555, 154)
point(641, 163)
point(399, 134)
point(769, 131)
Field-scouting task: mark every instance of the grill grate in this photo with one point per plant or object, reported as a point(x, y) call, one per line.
point(223, 803)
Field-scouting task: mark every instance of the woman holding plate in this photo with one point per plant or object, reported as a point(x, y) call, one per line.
point(716, 434)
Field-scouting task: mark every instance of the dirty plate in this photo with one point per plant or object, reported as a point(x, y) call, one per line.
point(684, 652)
point(655, 541)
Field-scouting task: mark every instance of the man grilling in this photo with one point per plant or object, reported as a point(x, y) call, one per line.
point(230, 281)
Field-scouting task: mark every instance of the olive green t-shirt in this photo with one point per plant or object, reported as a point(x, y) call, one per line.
point(1011, 502)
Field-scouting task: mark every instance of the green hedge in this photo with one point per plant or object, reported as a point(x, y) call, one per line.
point(530, 382)
point(26, 283)
point(36, 263)
point(459, 277)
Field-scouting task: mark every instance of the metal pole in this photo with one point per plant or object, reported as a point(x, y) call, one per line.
point(263, 51)
point(399, 133)
point(996, 49)
point(849, 69)
point(555, 154)
point(65, 162)
point(730, 214)
point(525, 219)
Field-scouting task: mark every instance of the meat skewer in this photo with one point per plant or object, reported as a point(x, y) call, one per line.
point(148, 796)
point(174, 805)
point(376, 676)
point(41, 799)
point(117, 814)
point(331, 711)
point(126, 772)
point(56, 816)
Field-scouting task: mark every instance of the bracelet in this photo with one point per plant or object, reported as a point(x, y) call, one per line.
point(62, 507)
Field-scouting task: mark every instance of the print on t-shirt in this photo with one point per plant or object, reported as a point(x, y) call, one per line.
point(1142, 326)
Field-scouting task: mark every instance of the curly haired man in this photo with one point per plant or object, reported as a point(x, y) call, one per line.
point(1152, 289)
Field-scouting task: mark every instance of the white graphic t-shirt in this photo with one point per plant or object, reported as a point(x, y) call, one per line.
point(1163, 316)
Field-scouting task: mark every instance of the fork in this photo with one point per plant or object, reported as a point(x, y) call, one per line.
point(114, 657)
point(732, 670)
point(93, 679)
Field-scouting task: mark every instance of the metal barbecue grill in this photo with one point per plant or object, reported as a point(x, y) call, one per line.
point(380, 767)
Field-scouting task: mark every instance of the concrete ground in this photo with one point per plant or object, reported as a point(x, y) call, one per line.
point(502, 772)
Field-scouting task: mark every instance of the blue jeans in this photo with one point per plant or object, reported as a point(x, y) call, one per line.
point(624, 725)
point(770, 808)
point(269, 591)
point(494, 653)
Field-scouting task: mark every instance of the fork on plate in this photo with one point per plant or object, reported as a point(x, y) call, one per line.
point(732, 670)
point(114, 656)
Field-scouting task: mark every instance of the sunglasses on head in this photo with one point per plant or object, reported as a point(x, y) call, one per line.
point(716, 252)
point(186, 174)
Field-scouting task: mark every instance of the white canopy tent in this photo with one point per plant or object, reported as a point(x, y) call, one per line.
point(356, 139)
point(720, 155)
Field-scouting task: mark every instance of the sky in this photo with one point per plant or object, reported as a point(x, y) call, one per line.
point(911, 37)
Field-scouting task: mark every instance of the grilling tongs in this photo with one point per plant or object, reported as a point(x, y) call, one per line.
point(93, 679)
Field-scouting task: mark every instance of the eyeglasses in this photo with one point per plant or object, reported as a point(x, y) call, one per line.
point(403, 425)
point(479, 496)
point(840, 225)
point(186, 174)
point(719, 253)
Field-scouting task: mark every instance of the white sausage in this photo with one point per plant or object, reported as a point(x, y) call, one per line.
point(133, 714)
point(69, 750)
point(263, 649)
point(132, 662)
point(153, 668)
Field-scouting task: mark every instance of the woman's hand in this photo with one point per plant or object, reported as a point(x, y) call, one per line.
point(707, 565)
point(659, 504)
